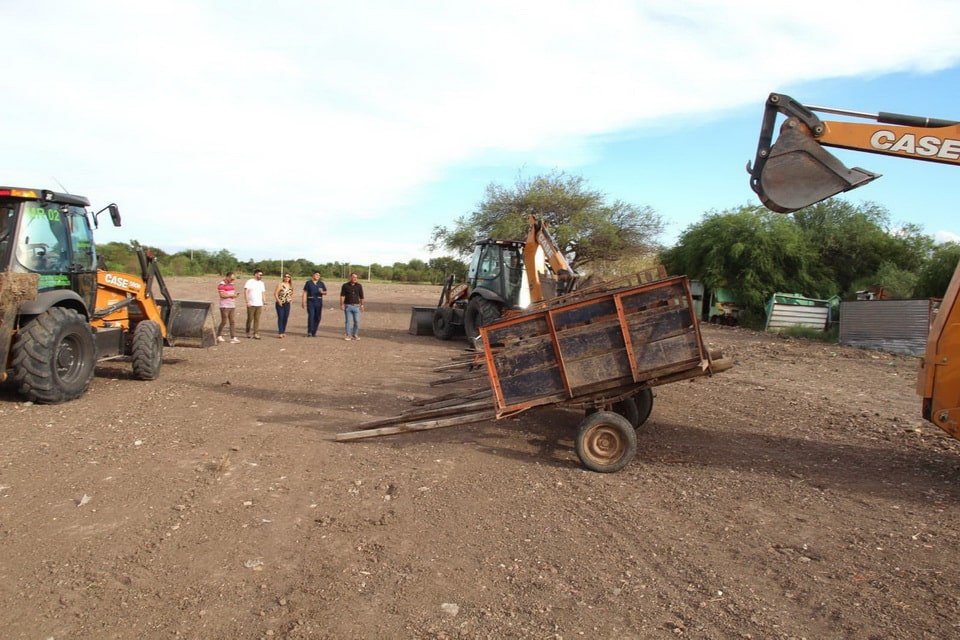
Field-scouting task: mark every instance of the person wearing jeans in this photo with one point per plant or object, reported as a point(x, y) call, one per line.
point(282, 296)
point(351, 301)
point(313, 291)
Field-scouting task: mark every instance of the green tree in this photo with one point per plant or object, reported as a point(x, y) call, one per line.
point(853, 242)
point(119, 256)
point(935, 275)
point(586, 227)
point(898, 283)
point(750, 251)
point(446, 265)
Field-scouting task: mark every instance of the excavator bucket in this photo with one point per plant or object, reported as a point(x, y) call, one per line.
point(189, 323)
point(799, 172)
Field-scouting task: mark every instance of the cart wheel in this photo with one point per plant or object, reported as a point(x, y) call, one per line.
point(644, 403)
point(606, 442)
point(628, 408)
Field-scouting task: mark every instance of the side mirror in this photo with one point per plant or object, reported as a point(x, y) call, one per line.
point(114, 215)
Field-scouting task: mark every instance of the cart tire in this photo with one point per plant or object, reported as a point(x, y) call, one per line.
point(147, 350)
point(443, 327)
point(627, 408)
point(606, 442)
point(479, 313)
point(644, 402)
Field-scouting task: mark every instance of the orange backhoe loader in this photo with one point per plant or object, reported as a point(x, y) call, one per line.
point(504, 276)
point(796, 172)
point(60, 312)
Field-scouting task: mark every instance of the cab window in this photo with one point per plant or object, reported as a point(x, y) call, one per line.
point(54, 238)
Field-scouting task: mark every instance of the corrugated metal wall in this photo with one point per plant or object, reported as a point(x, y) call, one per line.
point(897, 326)
point(796, 315)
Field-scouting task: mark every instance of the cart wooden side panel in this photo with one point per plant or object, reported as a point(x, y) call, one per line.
point(615, 339)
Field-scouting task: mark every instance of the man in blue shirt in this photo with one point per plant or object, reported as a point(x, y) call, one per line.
point(313, 291)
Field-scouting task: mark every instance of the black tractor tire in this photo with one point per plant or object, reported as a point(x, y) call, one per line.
point(479, 313)
point(644, 402)
point(54, 357)
point(443, 327)
point(606, 442)
point(146, 350)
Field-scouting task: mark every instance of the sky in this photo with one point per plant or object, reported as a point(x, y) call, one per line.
point(347, 131)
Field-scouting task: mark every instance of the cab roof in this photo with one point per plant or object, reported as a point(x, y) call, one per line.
point(44, 194)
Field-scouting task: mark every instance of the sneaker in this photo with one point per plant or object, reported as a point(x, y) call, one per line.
point(234, 340)
point(220, 339)
point(356, 337)
point(256, 336)
point(346, 338)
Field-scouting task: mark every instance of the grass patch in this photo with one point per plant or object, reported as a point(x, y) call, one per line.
point(831, 336)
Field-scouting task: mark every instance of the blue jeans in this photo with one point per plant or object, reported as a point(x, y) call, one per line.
point(314, 312)
point(283, 314)
point(351, 312)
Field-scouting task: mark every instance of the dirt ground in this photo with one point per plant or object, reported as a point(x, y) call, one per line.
point(797, 495)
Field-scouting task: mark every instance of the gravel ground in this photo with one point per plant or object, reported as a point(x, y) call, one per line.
point(797, 495)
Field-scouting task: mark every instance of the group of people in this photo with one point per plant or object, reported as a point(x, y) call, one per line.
point(314, 289)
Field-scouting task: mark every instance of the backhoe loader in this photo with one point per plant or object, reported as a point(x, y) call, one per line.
point(60, 313)
point(796, 172)
point(503, 277)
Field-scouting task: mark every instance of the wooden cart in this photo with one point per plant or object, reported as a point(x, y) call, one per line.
point(602, 350)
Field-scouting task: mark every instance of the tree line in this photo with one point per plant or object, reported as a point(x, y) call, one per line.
point(832, 248)
point(122, 256)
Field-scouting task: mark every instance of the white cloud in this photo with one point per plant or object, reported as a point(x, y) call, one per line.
point(941, 237)
point(214, 121)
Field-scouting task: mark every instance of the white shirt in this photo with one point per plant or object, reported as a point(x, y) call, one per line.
point(254, 290)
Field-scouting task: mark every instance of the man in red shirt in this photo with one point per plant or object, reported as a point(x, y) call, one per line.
point(228, 306)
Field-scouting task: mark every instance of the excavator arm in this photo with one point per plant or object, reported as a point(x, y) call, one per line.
point(539, 238)
point(796, 171)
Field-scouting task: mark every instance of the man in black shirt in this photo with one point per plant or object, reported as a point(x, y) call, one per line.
point(351, 301)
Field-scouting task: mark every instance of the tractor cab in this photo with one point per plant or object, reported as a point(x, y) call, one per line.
point(49, 234)
point(497, 273)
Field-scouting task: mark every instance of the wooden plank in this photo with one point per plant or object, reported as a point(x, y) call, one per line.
point(469, 365)
point(456, 398)
point(651, 356)
point(631, 280)
point(517, 329)
point(417, 426)
point(655, 323)
point(589, 312)
point(460, 378)
point(423, 414)
point(532, 385)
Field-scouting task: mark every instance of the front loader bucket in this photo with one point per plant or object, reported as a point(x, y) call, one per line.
point(421, 321)
point(189, 323)
point(799, 172)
